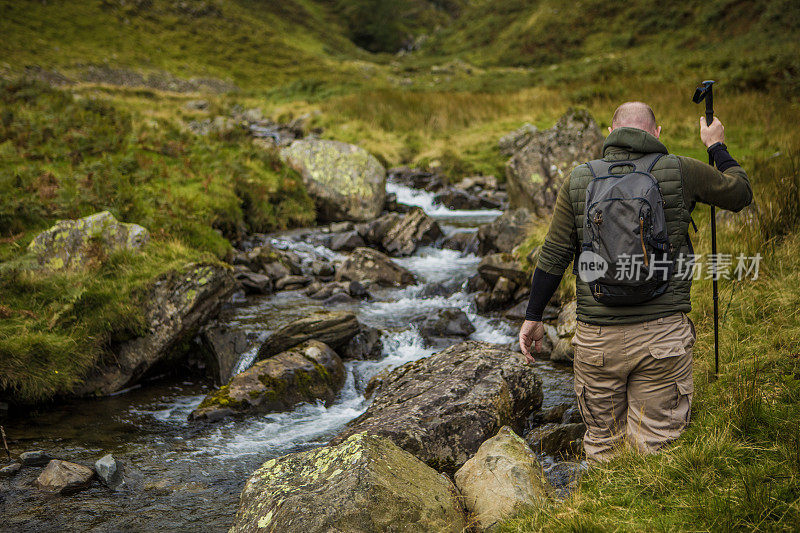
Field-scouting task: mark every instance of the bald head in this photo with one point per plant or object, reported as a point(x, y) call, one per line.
point(635, 115)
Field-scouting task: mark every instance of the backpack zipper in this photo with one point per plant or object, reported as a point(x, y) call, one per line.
point(641, 237)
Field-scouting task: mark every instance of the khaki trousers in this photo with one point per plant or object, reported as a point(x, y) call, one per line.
point(634, 383)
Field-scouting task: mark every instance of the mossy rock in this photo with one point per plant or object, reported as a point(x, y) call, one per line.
point(70, 244)
point(346, 181)
point(306, 373)
point(365, 484)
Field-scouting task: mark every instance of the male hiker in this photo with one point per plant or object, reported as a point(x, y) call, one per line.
point(633, 346)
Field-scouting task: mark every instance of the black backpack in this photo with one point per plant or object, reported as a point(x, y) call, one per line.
point(625, 256)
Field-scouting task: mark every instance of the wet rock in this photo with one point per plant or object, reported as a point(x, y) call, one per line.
point(453, 198)
point(73, 244)
point(10, 470)
point(322, 269)
point(304, 373)
point(442, 407)
point(365, 264)
point(64, 477)
point(177, 305)
point(494, 266)
point(223, 347)
point(366, 344)
point(270, 261)
point(109, 470)
point(290, 283)
point(501, 479)
point(323, 291)
point(536, 171)
point(463, 241)
point(413, 230)
point(393, 206)
point(35, 458)
point(476, 283)
point(416, 178)
point(433, 290)
point(364, 484)
point(345, 181)
point(560, 440)
point(341, 227)
point(338, 298)
point(347, 241)
point(447, 322)
point(505, 232)
point(253, 282)
point(333, 328)
point(564, 351)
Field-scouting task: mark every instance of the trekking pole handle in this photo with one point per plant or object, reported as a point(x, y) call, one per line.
point(710, 105)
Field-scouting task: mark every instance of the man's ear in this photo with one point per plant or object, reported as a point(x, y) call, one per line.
point(610, 129)
point(658, 132)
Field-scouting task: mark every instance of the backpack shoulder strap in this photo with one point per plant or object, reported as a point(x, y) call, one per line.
point(647, 162)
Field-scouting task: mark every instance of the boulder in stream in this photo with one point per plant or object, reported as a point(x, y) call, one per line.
point(334, 328)
point(64, 477)
point(35, 458)
point(305, 373)
point(501, 479)
point(365, 484)
point(345, 181)
point(447, 322)
point(223, 347)
point(365, 264)
point(109, 470)
point(70, 244)
point(442, 407)
point(413, 230)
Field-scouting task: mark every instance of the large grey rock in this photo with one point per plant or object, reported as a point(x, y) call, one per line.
point(501, 479)
point(447, 322)
point(223, 347)
point(64, 477)
point(333, 328)
point(305, 373)
point(505, 232)
point(367, 265)
point(517, 139)
point(442, 407)
point(345, 181)
point(535, 173)
point(365, 484)
point(253, 282)
point(175, 307)
point(70, 244)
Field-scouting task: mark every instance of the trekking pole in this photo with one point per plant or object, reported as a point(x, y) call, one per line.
point(706, 92)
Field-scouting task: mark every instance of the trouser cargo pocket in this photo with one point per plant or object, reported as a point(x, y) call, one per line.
point(682, 408)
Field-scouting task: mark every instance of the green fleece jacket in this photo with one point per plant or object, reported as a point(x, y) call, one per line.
point(685, 181)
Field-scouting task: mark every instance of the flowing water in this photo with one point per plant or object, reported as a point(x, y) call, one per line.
point(183, 476)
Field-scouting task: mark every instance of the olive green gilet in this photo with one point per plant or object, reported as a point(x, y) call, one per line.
point(667, 171)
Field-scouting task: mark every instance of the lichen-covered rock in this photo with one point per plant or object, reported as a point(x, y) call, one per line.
point(176, 306)
point(346, 181)
point(502, 478)
point(64, 477)
point(305, 373)
point(505, 232)
point(333, 328)
point(442, 407)
point(535, 172)
point(365, 264)
point(69, 244)
point(365, 484)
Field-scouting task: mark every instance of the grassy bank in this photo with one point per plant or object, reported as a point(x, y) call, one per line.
point(69, 155)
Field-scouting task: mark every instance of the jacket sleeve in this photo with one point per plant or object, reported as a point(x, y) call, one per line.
point(558, 249)
point(703, 183)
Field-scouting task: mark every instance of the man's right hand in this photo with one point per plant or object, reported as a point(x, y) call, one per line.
point(715, 133)
point(531, 332)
